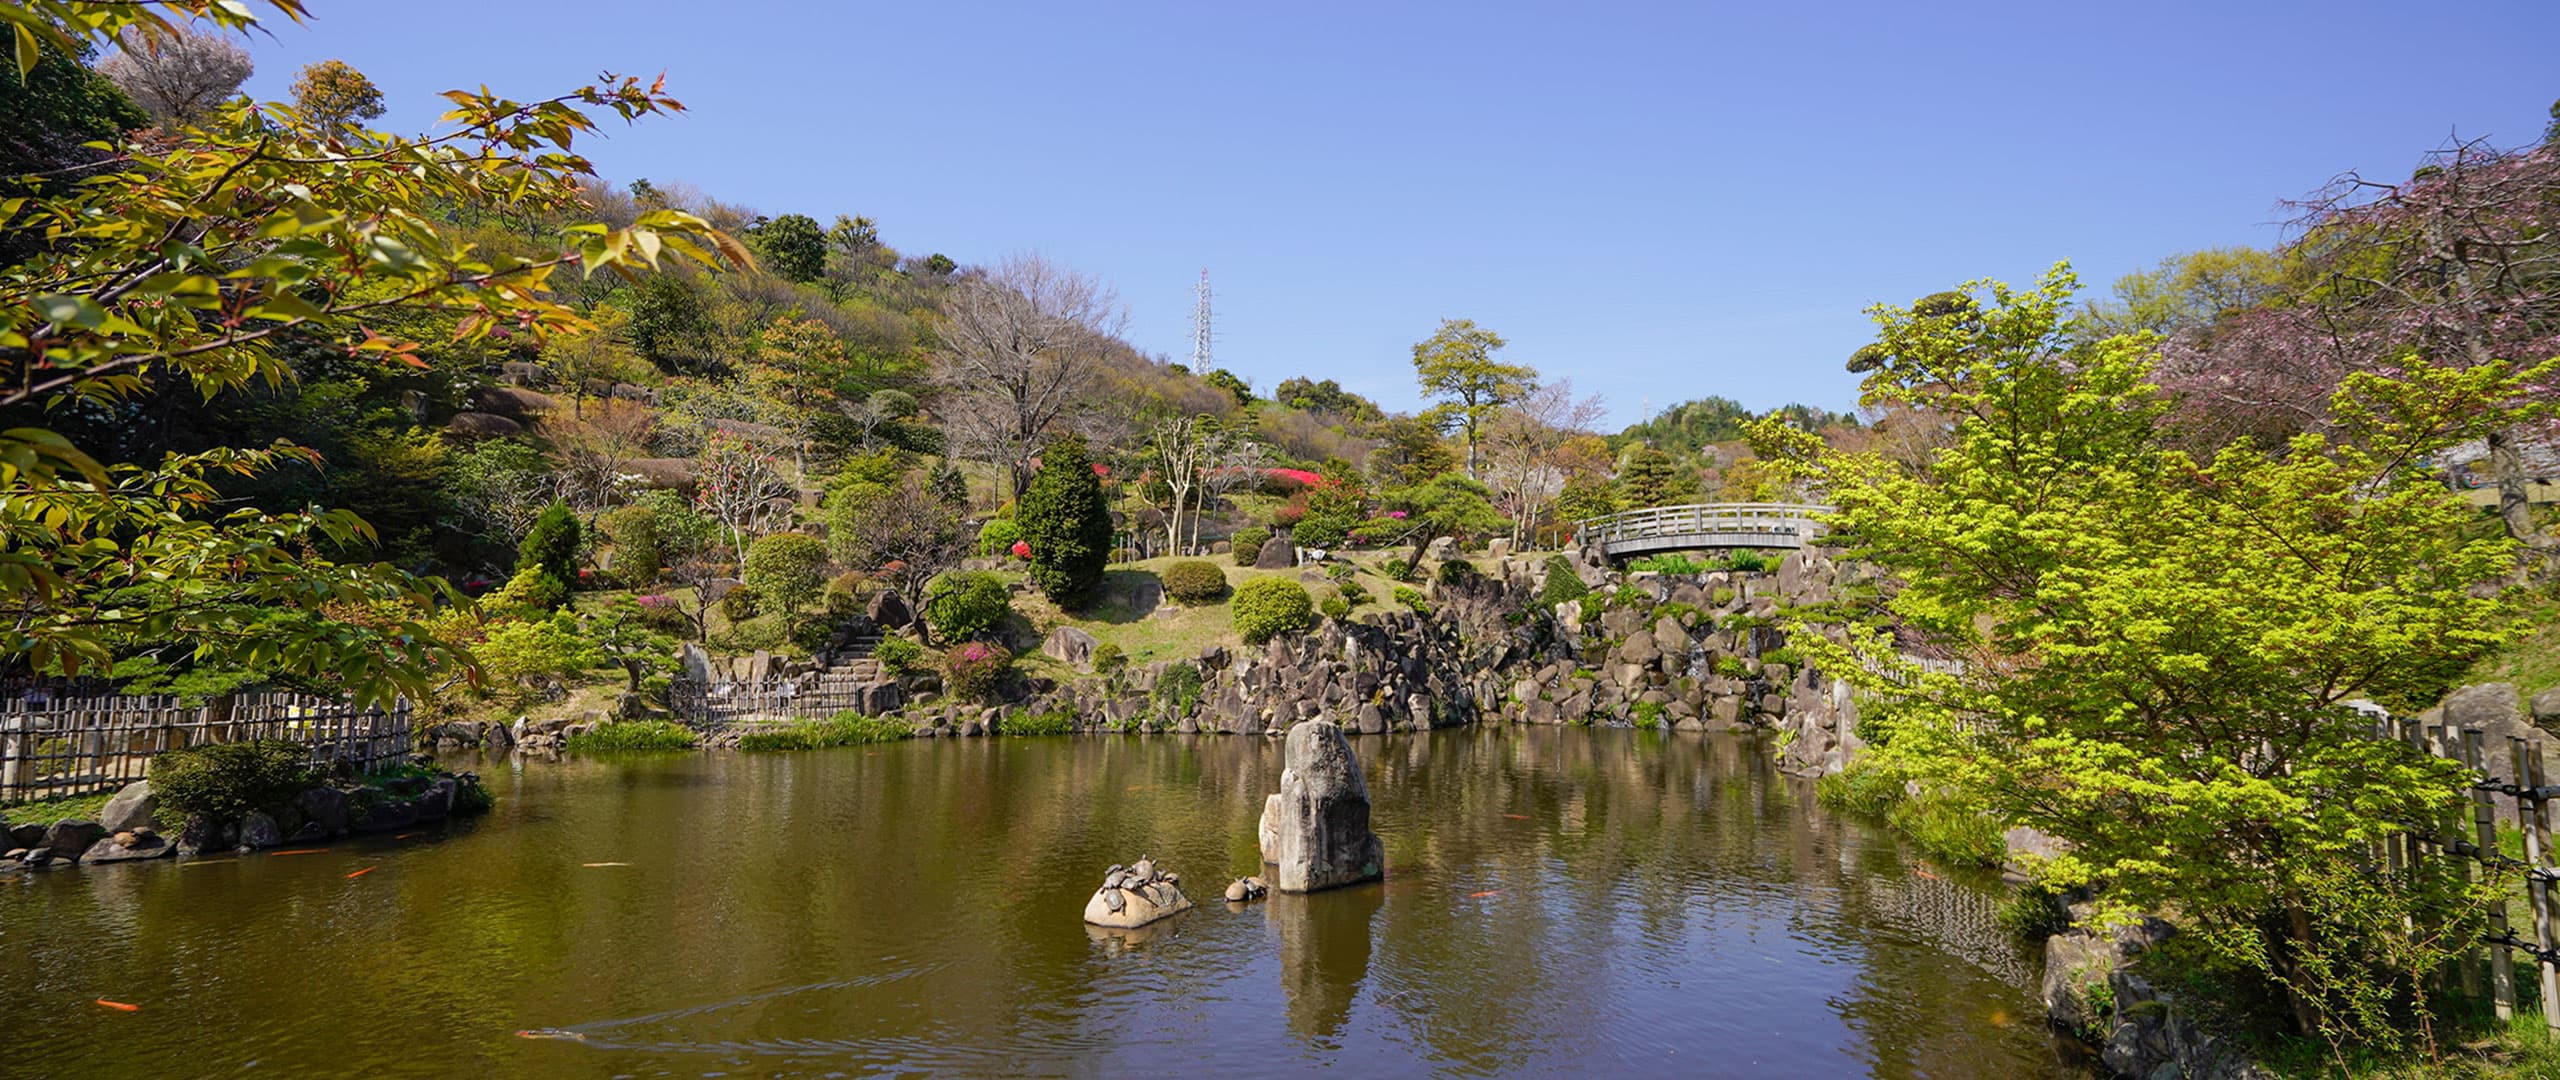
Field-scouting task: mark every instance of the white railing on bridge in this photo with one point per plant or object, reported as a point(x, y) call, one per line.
point(1789, 523)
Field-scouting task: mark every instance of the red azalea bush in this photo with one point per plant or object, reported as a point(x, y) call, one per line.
point(1022, 549)
point(971, 671)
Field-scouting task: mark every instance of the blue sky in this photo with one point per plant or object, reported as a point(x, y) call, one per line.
point(1658, 201)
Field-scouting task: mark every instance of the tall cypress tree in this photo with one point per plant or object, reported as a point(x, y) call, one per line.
point(1064, 519)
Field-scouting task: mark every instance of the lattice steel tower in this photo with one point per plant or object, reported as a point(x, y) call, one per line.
point(1200, 336)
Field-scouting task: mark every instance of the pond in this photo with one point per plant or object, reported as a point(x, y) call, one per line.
point(1559, 901)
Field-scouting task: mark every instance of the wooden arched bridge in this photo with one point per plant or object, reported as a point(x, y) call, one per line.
point(1700, 526)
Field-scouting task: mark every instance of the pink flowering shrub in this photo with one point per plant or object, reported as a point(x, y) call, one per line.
point(971, 671)
point(1022, 549)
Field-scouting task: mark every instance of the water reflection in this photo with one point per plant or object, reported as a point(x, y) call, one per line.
point(1324, 956)
point(1558, 901)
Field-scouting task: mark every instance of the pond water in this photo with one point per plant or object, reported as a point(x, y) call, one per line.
point(1559, 901)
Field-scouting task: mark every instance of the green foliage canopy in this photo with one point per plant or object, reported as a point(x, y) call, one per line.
point(2158, 649)
point(1067, 523)
point(1269, 607)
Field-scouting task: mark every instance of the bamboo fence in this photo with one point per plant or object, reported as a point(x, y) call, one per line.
point(54, 745)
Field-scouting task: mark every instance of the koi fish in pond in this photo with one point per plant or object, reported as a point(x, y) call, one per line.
point(119, 1006)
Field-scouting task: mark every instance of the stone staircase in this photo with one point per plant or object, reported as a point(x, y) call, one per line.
point(849, 657)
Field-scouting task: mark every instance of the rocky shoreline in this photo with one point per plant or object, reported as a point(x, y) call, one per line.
point(134, 827)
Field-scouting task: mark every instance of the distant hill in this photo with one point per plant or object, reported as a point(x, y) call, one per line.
point(1691, 426)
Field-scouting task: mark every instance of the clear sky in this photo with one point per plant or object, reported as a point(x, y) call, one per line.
point(1660, 201)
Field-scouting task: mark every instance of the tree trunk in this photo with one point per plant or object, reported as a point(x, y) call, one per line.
point(2515, 505)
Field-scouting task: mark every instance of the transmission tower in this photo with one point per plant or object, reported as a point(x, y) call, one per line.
point(1200, 335)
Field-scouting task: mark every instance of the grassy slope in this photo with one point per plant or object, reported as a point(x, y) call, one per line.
point(2533, 664)
point(1173, 633)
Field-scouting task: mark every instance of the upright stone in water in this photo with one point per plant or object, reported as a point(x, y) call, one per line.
point(1317, 829)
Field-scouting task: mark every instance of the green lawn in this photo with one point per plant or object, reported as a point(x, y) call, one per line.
point(48, 811)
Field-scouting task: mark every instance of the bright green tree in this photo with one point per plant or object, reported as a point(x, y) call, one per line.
point(2187, 291)
point(622, 636)
point(1649, 477)
point(333, 94)
point(550, 548)
point(793, 246)
point(787, 571)
point(1067, 523)
point(286, 236)
point(2157, 650)
point(1446, 505)
point(60, 106)
point(1456, 366)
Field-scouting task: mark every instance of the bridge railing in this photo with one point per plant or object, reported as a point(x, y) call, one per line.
point(1791, 518)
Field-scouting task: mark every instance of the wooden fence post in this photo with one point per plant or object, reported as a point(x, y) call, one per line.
point(2484, 822)
point(2536, 823)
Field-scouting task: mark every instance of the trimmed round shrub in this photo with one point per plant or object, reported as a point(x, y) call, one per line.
point(1108, 659)
point(1193, 582)
point(998, 536)
point(1269, 607)
point(1336, 608)
point(899, 656)
point(1248, 544)
point(964, 605)
point(1458, 572)
point(972, 671)
point(1354, 593)
point(788, 570)
point(739, 604)
point(551, 545)
point(1412, 597)
point(637, 553)
point(844, 594)
point(530, 592)
point(226, 781)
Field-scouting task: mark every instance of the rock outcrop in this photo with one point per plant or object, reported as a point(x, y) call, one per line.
point(2091, 989)
point(1318, 826)
point(1278, 553)
point(1134, 896)
point(131, 808)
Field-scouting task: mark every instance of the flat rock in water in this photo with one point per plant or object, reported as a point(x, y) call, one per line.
point(118, 849)
point(1135, 897)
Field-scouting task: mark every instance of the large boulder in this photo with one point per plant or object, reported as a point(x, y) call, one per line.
point(2546, 709)
point(1319, 823)
point(1071, 645)
point(1278, 553)
point(889, 610)
point(511, 401)
point(1135, 896)
point(2491, 707)
point(131, 809)
point(259, 832)
point(71, 836)
point(480, 425)
point(327, 806)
